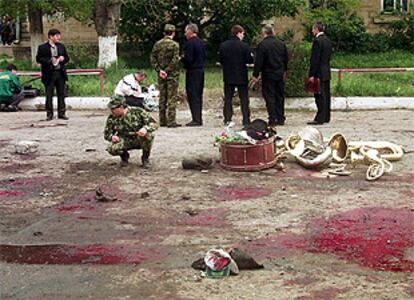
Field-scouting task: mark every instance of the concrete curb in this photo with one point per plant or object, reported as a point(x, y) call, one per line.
point(338, 103)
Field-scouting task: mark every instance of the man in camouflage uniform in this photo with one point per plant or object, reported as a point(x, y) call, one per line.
point(165, 58)
point(129, 128)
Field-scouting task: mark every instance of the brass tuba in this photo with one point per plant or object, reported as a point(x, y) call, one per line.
point(308, 148)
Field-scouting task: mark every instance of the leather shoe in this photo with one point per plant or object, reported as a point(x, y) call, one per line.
point(63, 117)
point(174, 125)
point(49, 118)
point(193, 124)
point(280, 123)
point(314, 123)
point(146, 163)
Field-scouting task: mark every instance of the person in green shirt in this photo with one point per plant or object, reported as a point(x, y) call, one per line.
point(10, 89)
point(129, 128)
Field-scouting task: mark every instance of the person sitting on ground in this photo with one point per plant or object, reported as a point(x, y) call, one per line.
point(130, 88)
point(10, 89)
point(129, 128)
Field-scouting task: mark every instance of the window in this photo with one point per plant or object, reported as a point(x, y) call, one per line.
point(391, 6)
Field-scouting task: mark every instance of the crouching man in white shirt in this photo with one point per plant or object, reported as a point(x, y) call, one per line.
point(130, 88)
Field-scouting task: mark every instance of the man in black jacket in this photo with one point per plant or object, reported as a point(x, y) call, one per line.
point(52, 56)
point(193, 59)
point(272, 61)
point(320, 68)
point(234, 55)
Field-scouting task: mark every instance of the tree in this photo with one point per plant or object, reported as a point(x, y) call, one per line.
point(35, 9)
point(344, 26)
point(106, 15)
point(142, 20)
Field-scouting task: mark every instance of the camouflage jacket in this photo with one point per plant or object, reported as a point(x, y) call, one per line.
point(127, 126)
point(165, 56)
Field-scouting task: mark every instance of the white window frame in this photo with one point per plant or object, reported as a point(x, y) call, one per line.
point(395, 6)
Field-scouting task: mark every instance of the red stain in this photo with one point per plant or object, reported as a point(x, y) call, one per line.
point(376, 237)
point(408, 193)
point(29, 156)
point(72, 254)
point(405, 178)
point(16, 167)
point(241, 193)
point(301, 281)
point(12, 193)
point(329, 293)
point(213, 217)
point(379, 238)
point(410, 290)
point(30, 181)
point(297, 173)
point(87, 203)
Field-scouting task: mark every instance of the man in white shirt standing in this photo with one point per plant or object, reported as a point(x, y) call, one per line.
point(130, 88)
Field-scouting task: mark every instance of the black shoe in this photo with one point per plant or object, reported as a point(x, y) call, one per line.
point(314, 123)
point(124, 158)
point(49, 118)
point(174, 125)
point(63, 117)
point(146, 163)
point(280, 123)
point(193, 124)
point(145, 159)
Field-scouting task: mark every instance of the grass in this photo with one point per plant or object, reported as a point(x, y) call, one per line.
point(356, 84)
point(374, 84)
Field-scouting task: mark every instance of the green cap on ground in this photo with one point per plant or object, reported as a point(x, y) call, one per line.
point(169, 27)
point(116, 101)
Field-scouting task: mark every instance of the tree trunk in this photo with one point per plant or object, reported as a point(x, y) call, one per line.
point(36, 31)
point(106, 15)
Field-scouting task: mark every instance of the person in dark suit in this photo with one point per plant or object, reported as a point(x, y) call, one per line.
point(193, 59)
point(320, 68)
point(272, 62)
point(52, 57)
point(234, 55)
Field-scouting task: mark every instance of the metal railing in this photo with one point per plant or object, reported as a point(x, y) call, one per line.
point(82, 72)
point(370, 70)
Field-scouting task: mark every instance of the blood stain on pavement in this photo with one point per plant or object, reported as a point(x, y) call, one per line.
point(60, 254)
point(11, 193)
point(241, 193)
point(378, 238)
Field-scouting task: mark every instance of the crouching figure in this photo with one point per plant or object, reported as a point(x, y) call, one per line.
point(129, 128)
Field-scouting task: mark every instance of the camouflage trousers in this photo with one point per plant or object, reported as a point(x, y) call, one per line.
point(168, 100)
point(129, 144)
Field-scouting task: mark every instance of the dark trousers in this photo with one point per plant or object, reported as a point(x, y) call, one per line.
point(12, 103)
point(59, 82)
point(135, 101)
point(274, 95)
point(323, 103)
point(228, 102)
point(194, 85)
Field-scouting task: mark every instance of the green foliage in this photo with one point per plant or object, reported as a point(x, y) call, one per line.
point(402, 33)
point(82, 56)
point(142, 21)
point(79, 9)
point(343, 26)
point(298, 69)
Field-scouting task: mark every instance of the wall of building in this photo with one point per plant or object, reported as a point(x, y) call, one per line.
point(369, 10)
point(73, 32)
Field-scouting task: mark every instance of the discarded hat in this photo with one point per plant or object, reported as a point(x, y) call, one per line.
point(169, 27)
point(116, 101)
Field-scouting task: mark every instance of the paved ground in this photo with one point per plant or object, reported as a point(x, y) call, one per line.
point(337, 238)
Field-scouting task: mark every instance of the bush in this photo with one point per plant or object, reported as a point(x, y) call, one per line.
point(402, 33)
point(82, 56)
point(345, 28)
point(299, 58)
